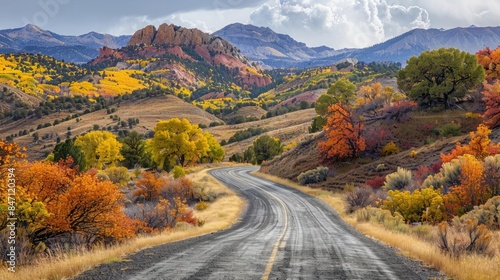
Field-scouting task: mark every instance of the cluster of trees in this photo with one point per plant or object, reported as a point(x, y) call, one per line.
point(263, 148)
point(175, 143)
point(58, 206)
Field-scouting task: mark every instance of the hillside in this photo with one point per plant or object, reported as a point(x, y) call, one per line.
point(270, 48)
point(412, 135)
point(148, 111)
point(77, 49)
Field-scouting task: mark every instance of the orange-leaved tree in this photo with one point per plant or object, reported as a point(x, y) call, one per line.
point(76, 203)
point(491, 97)
point(343, 134)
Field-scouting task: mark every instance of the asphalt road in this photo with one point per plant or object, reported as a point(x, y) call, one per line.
point(283, 234)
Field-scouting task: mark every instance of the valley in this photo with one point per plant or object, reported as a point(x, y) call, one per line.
point(110, 139)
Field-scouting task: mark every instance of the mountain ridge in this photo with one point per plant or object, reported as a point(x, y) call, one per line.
point(80, 49)
point(271, 48)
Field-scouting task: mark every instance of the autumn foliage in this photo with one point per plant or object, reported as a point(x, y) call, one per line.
point(343, 134)
point(491, 98)
point(490, 60)
point(479, 146)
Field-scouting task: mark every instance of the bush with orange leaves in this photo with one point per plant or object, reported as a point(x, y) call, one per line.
point(479, 146)
point(160, 202)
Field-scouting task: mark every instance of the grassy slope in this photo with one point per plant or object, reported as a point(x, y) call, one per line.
point(306, 156)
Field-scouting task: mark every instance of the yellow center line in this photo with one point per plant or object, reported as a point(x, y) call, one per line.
point(272, 259)
point(279, 243)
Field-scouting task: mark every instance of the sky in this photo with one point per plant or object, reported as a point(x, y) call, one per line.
point(334, 23)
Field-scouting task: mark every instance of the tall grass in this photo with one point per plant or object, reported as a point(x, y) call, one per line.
point(415, 245)
point(220, 214)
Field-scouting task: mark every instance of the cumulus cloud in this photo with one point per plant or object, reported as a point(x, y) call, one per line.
point(341, 23)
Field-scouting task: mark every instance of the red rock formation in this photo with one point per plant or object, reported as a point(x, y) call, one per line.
point(143, 36)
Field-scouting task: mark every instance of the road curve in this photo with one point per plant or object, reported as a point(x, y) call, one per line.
point(283, 234)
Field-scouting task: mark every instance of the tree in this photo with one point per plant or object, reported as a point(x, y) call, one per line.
point(68, 149)
point(100, 148)
point(216, 152)
point(133, 149)
point(341, 91)
point(491, 97)
point(343, 134)
point(266, 147)
point(437, 76)
point(178, 142)
point(490, 60)
point(74, 203)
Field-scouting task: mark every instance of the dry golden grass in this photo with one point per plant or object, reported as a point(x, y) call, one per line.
point(471, 267)
point(220, 215)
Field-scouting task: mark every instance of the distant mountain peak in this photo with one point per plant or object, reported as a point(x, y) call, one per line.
point(272, 49)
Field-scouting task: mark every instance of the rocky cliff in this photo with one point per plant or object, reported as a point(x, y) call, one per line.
point(190, 45)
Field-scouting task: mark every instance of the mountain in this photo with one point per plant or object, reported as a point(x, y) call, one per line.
point(78, 49)
point(272, 49)
point(278, 50)
point(414, 42)
point(185, 55)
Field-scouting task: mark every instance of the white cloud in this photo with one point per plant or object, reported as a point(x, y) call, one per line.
point(340, 23)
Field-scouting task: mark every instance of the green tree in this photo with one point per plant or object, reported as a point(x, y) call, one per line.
point(133, 149)
point(435, 77)
point(266, 147)
point(66, 149)
point(177, 142)
point(100, 148)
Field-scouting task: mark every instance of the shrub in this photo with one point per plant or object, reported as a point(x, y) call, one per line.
point(178, 172)
point(450, 129)
point(313, 176)
point(390, 149)
point(377, 182)
point(380, 167)
point(487, 214)
point(448, 176)
point(200, 206)
point(118, 175)
point(419, 206)
point(459, 240)
point(398, 180)
point(359, 198)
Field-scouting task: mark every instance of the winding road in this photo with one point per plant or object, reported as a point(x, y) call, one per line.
point(283, 234)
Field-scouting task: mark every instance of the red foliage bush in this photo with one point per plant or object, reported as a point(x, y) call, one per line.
point(376, 183)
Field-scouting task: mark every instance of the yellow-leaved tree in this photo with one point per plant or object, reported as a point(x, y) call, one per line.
point(178, 142)
point(101, 148)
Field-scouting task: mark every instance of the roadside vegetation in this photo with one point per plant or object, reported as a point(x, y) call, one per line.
point(396, 177)
point(216, 209)
point(422, 241)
